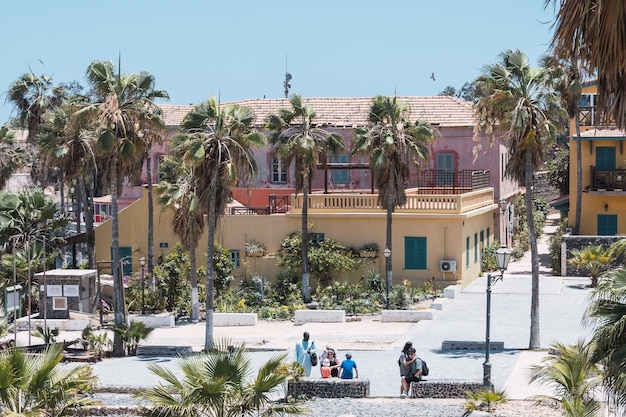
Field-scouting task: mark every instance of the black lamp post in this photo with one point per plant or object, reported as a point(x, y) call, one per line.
point(388, 278)
point(142, 262)
point(503, 256)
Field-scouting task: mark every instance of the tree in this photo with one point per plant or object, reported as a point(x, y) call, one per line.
point(178, 190)
point(573, 376)
point(295, 138)
point(586, 30)
point(524, 109)
point(217, 383)
point(38, 385)
point(607, 315)
point(558, 170)
point(393, 145)
point(217, 143)
point(11, 154)
point(594, 258)
point(123, 104)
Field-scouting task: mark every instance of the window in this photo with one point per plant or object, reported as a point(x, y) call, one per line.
point(59, 303)
point(605, 157)
point(235, 258)
point(340, 176)
point(414, 253)
point(475, 247)
point(444, 164)
point(607, 224)
point(316, 238)
point(279, 174)
point(467, 251)
point(488, 236)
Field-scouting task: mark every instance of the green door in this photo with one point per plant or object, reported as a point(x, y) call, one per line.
point(605, 158)
point(607, 224)
point(444, 164)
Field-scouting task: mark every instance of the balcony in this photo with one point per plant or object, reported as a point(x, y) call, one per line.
point(608, 180)
point(591, 116)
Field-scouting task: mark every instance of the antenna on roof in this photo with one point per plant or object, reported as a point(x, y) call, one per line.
point(287, 83)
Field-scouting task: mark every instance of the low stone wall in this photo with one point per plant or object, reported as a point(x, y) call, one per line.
point(329, 388)
point(234, 319)
point(405, 316)
point(319, 316)
point(154, 320)
point(444, 388)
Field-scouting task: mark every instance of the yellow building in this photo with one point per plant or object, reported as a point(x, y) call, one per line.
point(435, 236)
point(603, 171)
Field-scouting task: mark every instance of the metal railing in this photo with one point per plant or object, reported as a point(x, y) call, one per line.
point(608, 180)
point(437, 181)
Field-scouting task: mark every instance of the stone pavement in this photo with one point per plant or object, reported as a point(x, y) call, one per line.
point(375, 346)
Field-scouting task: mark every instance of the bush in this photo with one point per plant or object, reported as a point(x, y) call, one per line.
point(490, 262)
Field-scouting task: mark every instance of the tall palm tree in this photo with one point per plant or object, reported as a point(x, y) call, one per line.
point(522, 106)
point(393, 145)
point(217, 143)
point(11, 154)
point(294, 137)
point(178, 190)
point(589, 29)
point(607, 315)
point(573, 376)
point(123, 103)
point(217, 383)
point(37, 385)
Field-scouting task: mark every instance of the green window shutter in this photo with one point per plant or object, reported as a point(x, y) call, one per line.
point(607, 224)
point(605, 157)
point(467, 251)
point(475, 247)
point(415, 253)
point(340, 176)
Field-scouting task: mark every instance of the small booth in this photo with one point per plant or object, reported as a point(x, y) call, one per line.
point(13, 300)
point(62, 290)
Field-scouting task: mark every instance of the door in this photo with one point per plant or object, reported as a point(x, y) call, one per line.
point(444, 164)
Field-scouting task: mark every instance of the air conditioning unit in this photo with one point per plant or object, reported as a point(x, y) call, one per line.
point(447, 265)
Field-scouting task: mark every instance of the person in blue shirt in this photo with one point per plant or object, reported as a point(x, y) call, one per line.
point(304, 349)
point(347, 369)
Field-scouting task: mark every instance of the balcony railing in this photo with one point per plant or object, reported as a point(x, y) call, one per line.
point(608, 180)
point(591, 116)
point(436, 181)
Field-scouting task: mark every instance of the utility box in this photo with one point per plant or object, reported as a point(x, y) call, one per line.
point(62, 290)
point(13, 300)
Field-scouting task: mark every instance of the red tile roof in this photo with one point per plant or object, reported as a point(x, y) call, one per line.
point(349, 111)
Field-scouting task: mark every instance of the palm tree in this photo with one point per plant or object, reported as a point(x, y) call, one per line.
point(217, 143)
point(123, 103)
point(573, 376)
point(11, 155)
point(294, 137)
point(607, 315)
point(393, 145)
point(217, 383)
point(524, 109)
point(37, 385)
point(587, 29)
point(178, 190)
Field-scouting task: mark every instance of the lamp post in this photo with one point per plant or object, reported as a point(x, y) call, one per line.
point(503, 256)
point(387, 254)
point(142, 262)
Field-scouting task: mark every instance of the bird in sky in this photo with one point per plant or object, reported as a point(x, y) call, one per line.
point(432, 76)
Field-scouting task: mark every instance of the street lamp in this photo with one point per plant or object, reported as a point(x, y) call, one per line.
point(142, 262)
point(387, 254)
point(503, 256)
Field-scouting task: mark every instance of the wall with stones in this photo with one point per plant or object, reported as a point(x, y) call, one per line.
point(444, 388)
point(329, 388)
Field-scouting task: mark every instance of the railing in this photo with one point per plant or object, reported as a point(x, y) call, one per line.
point(591, 116)
point(279, 203)
point(608, 180)
point(248, 211)
point(436, 181)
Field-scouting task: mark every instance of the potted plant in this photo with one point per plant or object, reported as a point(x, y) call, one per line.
point(255, 248)
point(368, 250)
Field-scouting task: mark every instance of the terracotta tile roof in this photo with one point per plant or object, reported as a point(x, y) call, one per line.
point(350, 111)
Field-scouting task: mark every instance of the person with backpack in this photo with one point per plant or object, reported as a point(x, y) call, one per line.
point(410, 371)
point(305, 354)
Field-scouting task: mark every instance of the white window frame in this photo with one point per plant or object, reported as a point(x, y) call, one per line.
point(279, 174)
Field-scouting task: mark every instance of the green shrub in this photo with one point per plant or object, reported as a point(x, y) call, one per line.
point(490, 262)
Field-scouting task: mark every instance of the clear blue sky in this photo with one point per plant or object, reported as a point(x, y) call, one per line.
point(239, 49)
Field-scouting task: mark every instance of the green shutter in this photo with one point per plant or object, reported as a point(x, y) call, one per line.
point(415, 253)
point(605, 158)
point(607, 224)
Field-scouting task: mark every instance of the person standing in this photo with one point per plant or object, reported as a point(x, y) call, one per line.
point(348, 369)
point(304, 349)
point(410, 371)
point(404, 357)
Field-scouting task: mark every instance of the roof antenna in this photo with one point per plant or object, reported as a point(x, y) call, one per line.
point(287, 83)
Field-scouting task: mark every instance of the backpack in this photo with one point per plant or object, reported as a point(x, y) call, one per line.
point(424, 367)
point(313, 359)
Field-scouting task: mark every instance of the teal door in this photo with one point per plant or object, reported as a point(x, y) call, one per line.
point(605, 158)
point(607, 224)
point(444, 164)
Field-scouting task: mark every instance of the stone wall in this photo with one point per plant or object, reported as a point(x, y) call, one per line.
point(329, 388)
point(443, 388)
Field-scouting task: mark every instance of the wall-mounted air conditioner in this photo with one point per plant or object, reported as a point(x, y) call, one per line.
point(447, 265)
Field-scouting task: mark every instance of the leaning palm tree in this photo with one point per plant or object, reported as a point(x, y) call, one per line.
point(123, 103)
point(38, 385)
point(393, 144)
point(589, 29)
point(294, 137)
point(177, 190)
point(522, 106)
point(607, 315)
point(217, 143)
point(217, 383)
point(572, 376)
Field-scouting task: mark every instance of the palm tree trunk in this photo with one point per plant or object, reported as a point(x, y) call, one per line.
point(87, 201)
point(210, 277)
point(306, 291)
point(150, 219)
point(391, 188)
point(579, 175)
point(534, 256)
point(63, 212)
point(118, 281)
point(193, 277)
